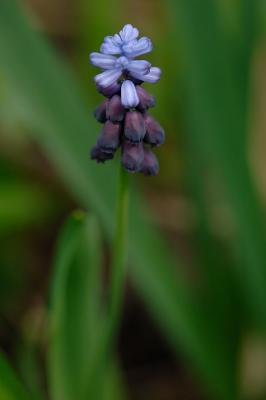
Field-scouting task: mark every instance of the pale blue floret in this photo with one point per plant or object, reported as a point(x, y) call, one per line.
point(129, 96)
point(108, 62)
point(103, 61)
point(152, 76)
point(128, 33)
point(138, 67)
point(127, 46)
point(115, 66)
point(126, 43)
point(137, 47)
point(107, 78)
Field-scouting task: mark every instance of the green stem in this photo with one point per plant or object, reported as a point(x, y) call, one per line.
point(103, 349)
point(119, 252)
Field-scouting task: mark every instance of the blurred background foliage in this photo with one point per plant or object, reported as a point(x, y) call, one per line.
point(194, 312)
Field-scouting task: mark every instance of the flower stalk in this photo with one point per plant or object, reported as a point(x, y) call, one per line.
point(118, 267)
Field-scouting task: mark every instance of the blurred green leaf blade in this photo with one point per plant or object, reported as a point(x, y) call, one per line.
point(77, 318)
point(10, 387)
point(74, 306)
point(217, 115)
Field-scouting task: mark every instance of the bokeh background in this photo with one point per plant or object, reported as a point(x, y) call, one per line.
point(194, 311)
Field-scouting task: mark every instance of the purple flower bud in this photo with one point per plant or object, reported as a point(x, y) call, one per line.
point(100, 112)
point(99, 155)
point(146, 100)
point(110, 90)
point(129, 95)
point(132, 156)
point(115, 110)
point(154, 132)
point(109, 139)
point(150, 165)
point(134, 126)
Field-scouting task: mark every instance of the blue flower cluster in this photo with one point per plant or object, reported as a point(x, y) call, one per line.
point(124, 112)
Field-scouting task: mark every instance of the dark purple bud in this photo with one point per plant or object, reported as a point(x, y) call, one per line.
point(100, 112)
point(115, 110)
point(132, 156)
point(134, 126)
point(99, 155)
point(150, 165)
point(109, 139)
point(110, 90)
point(154, 132)
point(146, 100)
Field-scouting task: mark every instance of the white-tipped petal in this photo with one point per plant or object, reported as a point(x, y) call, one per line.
point(137, 47)
point(128, 33)
point(108, 77)
point(140, 67)
point(109, 46)
point(152, 77)
point(103, 61)
point(129, 96)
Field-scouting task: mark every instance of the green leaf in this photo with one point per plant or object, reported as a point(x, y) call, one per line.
point(10, 387)
point(74, 307)
point(76, 315)
point(217, 115)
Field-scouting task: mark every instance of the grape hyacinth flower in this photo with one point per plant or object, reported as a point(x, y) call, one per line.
point(124, 112)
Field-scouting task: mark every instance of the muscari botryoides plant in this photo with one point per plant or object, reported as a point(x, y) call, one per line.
point(128, 125)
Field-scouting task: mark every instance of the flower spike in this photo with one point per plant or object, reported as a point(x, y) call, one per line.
point(124, 112)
